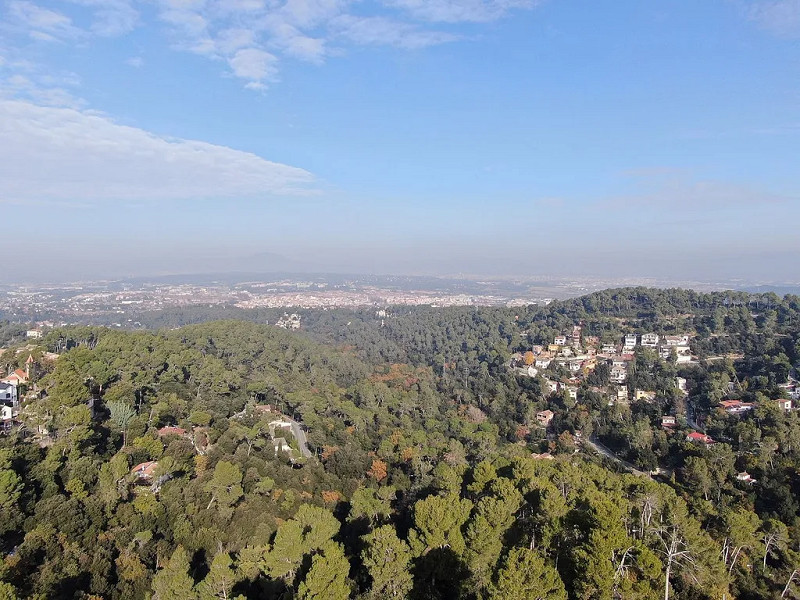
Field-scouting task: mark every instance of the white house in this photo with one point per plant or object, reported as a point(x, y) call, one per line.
point(619, 374)
point(8, 392)
point(629, 343)
point(560, 340)
point(650, 340)
point(676, 340)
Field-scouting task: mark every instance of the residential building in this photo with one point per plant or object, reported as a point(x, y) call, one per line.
point(544, 417)
point(8, 392)
point(676, 340)
point(735, 407)
point(170, 430)
point(145, 471)
point(608, 349)
point(646, 395)
point(560, 340)
point(785, 403)
point(745, 477)
point(618, 374)
point(669, 421)
point(698, 437)
point(18, 377)
point(629, 342)
point(650, 340)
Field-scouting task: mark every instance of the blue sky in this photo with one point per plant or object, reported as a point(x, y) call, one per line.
point(494, 137)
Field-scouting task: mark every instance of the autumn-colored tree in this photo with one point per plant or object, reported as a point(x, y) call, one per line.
point(379, 470)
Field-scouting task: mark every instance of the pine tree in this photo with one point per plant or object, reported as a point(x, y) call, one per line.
point(387, 558)
point(220, 579)
point(327, 578)
point(525, 576)
point(173, 581)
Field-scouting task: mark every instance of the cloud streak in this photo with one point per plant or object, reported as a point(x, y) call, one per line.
point(252, 37)
point(781, 17)
point(87, 158)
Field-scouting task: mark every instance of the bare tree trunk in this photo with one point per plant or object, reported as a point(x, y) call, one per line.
point(788, 583)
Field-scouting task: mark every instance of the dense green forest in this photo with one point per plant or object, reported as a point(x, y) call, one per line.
point(152, 464)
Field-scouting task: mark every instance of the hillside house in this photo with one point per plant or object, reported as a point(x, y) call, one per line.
point(18, 377)
point(650, 340)
point(629, 342)
point(560, 340)
point(608, 349)
point(618, 374)
point(646, 395)
point(735, 407)
point(669, 421)
point(785, 403)
point(8, 392)
point(544, 417)
point(745, 477)
point(145, 471)
point(676, 340)
point(700, 438)
point(170, 430)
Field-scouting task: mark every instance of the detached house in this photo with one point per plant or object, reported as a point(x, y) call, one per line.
point(618, 374)
point(629, 342)
point(650, 340)
point(544, 417)
point(145, 471)
point(18, 377)
point(698, 437)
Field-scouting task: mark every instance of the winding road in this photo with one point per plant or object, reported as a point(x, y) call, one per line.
point(302, 440)
point(605, 451)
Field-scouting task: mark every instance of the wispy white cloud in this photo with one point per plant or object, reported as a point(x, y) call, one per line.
point(42, 23)
point(23, 79)
point(781, 17)
point(111, 17)
point(380, 31)
point(254, 65)
point(457, 11)
point(252, 37)
point(89, 158)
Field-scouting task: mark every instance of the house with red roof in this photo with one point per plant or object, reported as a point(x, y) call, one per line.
point(146, 470)
point(735, 407)
point(171, 430)
point(698, 437)
point(16, 378)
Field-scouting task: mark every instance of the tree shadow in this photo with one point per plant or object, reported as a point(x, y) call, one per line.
point(439, 575)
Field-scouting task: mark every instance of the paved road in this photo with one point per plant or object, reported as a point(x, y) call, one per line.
point(300, 436)
point(601, 449)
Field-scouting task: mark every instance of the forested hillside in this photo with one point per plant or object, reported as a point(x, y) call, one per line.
point(406, 456)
